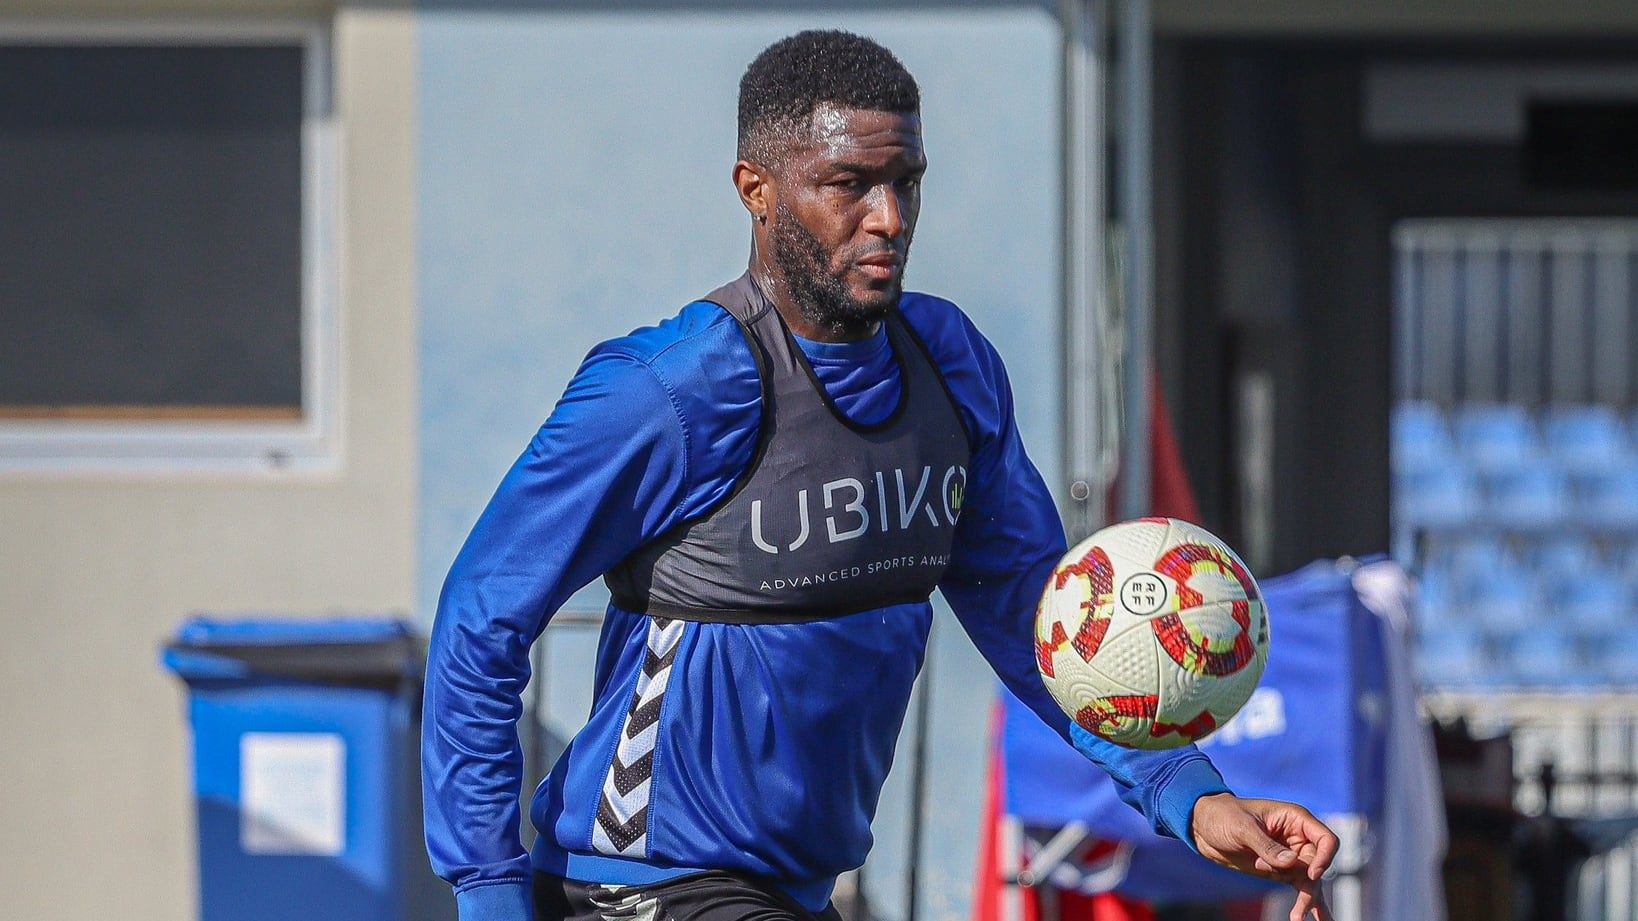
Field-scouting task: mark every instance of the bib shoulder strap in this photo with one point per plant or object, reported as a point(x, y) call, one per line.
point(742, 299)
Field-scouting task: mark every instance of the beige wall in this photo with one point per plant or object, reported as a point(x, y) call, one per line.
point(95, 573)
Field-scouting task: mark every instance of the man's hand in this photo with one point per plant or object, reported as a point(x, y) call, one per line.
point(1267, 838)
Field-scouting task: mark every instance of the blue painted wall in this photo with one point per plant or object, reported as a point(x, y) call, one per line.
point(574, 183)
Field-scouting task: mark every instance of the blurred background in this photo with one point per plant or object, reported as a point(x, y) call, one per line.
point(285, 285)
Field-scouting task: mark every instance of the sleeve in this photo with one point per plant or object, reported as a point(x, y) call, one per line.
point(607, 470)
point(1008, 540)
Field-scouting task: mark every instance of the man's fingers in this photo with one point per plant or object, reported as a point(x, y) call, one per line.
point(1310, 899)
point(1325, 850)
point(1271, 839)
point(1300, 828)
point(1277, 856)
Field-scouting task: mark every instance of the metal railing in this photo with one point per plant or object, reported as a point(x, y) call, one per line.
point(1527, 311)
point(1575, 758)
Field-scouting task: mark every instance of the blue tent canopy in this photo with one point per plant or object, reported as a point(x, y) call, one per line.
point(1312, 733)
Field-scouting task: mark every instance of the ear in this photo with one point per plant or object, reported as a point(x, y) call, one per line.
point(756, 189)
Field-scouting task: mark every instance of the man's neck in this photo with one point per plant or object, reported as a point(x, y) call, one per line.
point(774, 287)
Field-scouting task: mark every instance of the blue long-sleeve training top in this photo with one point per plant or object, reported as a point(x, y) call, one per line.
point(772, 741)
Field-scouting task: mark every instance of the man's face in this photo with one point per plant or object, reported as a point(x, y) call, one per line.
point(846, 207)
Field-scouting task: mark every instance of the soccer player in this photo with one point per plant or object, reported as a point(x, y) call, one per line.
point(772, 483)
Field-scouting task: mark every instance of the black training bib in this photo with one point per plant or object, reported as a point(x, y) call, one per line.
point(830, 517)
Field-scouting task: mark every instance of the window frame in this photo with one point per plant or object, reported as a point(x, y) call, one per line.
point(308, 444)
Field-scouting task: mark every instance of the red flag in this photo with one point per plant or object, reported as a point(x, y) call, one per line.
point(1170, 494)
point(987, 890)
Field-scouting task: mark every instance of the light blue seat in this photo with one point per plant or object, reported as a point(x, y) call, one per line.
point(1534, 498)
point(1613, 659)
point(1505, 601)
point(1625, 558)
point(1419, 436)
point(1495, 436)
point(1436, 497)
point(1608, 500)
point(1436, 597)
point(1546, 655)
point(1454, 655)
point(1597, 601)
point(1475, 555)
point(1568, 554)
point(1584, 437)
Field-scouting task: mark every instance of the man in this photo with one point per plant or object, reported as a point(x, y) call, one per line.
point(772, 483)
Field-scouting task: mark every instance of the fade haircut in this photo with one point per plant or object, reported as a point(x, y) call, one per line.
point(795, 75)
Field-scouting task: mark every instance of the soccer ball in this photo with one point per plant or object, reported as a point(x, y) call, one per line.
point(1151, 633)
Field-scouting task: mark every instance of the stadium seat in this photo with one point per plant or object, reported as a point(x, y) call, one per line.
point(1436, 599)
point(1592, 602)
point(1534, 498)
point(1584, 438)
point(1625, 558)
point(1507, 600)
point(1453, 655)
point(1546, 655)
point(1608, 500)
point(1419, 437)
point(1436, 497)
point(1472, 556)
point(1495, 436)
point(1558, 555)
point(1613, 659)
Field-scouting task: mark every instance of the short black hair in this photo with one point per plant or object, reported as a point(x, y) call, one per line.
point(794, 75)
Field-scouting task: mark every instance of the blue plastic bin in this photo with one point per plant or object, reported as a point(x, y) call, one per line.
point(304, 742)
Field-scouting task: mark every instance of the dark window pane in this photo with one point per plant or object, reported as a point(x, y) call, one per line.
point(1589, 146)
point(150, 227)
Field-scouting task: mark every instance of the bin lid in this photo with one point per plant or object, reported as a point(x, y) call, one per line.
point(380, 652)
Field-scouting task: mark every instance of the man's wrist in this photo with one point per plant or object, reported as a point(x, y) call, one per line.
point(1194, 813)
point(503, 900)
point(1194, 780)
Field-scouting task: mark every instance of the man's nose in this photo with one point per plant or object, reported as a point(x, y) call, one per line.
point(886, 216)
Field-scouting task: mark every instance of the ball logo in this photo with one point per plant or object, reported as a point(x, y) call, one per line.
point(1151, 633)
point(1144, 593)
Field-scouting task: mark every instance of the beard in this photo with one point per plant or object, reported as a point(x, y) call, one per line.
point(819, 291)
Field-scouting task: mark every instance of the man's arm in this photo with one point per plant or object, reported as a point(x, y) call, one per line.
point(1007, 542)
point(607, 470)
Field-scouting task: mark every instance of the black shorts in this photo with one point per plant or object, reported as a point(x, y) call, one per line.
point(711, 896)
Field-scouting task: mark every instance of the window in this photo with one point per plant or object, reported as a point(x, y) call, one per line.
point(166, 248)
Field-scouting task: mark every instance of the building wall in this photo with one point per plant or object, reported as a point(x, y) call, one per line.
point(96, 817)
point(568, 172)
